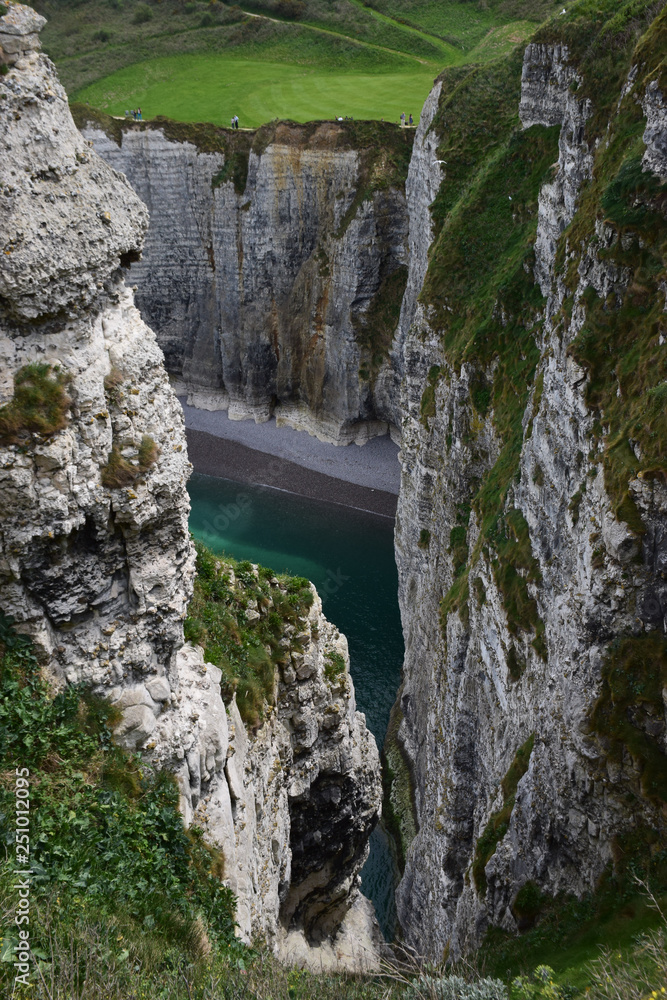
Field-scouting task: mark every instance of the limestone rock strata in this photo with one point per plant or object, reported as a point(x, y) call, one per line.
point(96, 562)
point(291, 805)
point(259, 295)
point(421, 186)
point(467, 709)
point(547, 99)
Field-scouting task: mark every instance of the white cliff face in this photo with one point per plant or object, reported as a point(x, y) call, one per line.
point(421, 186)
point(655, 110)
point(291, 805)
point(549, 84)
point(259, 291)
point(466, 707)
point(100, 572)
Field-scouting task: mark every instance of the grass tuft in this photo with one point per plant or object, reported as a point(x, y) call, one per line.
point(120, 471)
point(39, 406)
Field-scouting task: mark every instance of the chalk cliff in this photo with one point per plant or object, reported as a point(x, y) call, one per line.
point(522, 355)
point(531, 534)
point(96, 562)
point(274, 264)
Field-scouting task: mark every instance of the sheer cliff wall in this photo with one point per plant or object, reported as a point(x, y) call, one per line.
point(274, 264)
point(96, 561)
point(531, 534)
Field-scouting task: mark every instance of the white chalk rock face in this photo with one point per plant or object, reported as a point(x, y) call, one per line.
point(466, 713)
point(96, 561)
point(66, 217)
point(259, 293)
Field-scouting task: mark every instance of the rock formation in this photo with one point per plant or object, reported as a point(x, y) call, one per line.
point(96, 560)
point(274, 264)
point(531, 552)
point(530, 537)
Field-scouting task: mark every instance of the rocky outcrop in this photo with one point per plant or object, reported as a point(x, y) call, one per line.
point(655, 134)
point(96, 561)
point(520, 778)
point(20, 34)
point(291, 804)
point(549, 84)
point(421, 187)
point(274, 265)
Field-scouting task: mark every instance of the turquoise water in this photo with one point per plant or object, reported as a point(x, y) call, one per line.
point(349, 556)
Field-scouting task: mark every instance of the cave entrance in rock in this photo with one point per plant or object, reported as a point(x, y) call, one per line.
point(349, 556)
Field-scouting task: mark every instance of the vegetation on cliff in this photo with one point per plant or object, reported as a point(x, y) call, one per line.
point(384, 151)
point(298, 59)
point(248, 622)
point(485, 218)
point(39, 406)
point(481, 297)
point(498, 823)
point(116, 879)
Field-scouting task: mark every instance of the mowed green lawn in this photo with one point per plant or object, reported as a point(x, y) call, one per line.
point(214, 87)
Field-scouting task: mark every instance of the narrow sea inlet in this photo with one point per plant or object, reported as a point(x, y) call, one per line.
point(349, 556)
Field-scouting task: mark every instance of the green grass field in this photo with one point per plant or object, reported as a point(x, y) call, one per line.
point(206, 61)
point(214, 87)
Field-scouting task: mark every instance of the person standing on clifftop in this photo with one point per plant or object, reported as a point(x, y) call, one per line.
point(402, 119)
point(411, 122)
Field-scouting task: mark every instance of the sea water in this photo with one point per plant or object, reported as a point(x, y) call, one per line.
point(349, 556)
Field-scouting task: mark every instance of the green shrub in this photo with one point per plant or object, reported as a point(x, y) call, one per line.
point(424, 538)
point(334, 665)
point(142, 14)
point(540, 986)
point(39, 405)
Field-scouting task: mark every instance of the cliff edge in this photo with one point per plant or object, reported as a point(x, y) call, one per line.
point(97, 564)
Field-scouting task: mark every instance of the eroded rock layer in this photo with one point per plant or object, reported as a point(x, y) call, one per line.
point(274, 265)
point(532, 525)
point(96, 561)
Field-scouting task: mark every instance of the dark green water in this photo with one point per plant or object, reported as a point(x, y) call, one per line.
point(349, 556)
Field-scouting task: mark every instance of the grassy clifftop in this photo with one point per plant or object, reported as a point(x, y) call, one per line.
point(298, 59)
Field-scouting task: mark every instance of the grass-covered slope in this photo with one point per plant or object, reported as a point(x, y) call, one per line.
point(117, 882)
point(301, 60)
